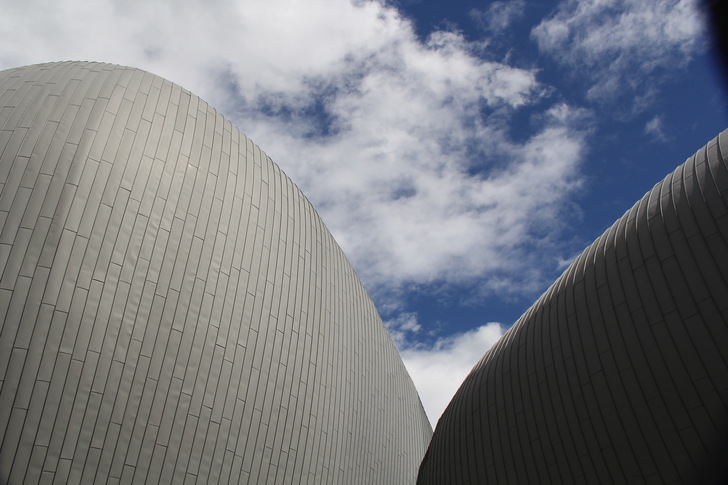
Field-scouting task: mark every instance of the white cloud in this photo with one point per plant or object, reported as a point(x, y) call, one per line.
point(401, 197)
point(655, 128)
point(383, 132)
point(403, 327)
point(438, 371)
point(618, 43)
point(499, 15)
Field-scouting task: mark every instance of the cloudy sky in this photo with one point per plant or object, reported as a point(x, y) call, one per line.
point(462, 153)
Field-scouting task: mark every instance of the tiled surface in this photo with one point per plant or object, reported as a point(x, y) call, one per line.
point(619, 372)
point(172, 308)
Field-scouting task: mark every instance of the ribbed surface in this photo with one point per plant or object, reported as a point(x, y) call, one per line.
point(173, 310)
point(618, 373)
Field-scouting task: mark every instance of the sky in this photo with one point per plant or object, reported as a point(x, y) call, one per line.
point(462, 153)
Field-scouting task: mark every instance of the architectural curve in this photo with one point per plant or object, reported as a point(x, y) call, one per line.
point(618, 373)
point(172, 308)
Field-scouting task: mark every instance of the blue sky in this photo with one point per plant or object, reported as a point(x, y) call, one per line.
point(462, 153)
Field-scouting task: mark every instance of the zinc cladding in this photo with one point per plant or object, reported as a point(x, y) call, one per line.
point(172, 308)
point(618, 373)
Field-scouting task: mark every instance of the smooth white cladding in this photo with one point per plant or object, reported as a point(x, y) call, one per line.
point(173, 309)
